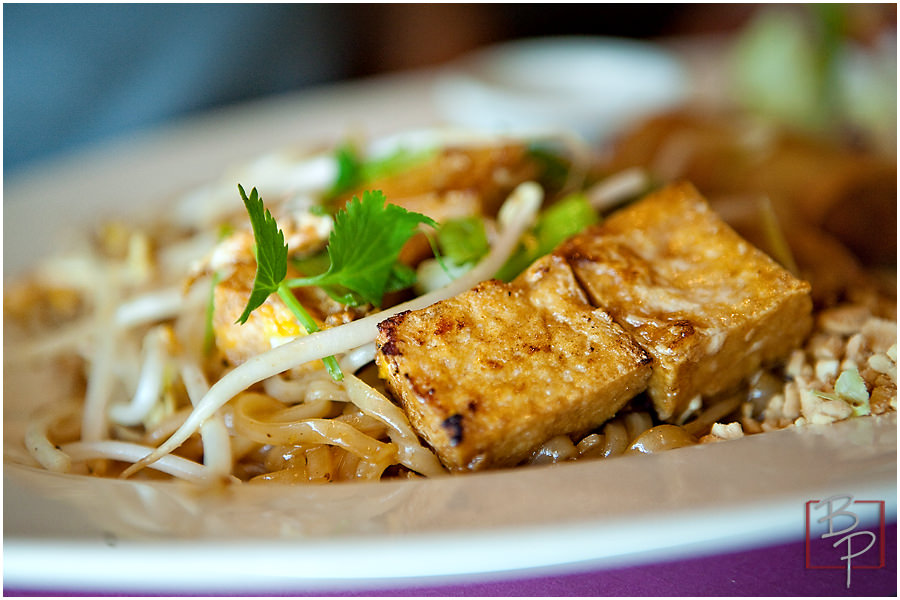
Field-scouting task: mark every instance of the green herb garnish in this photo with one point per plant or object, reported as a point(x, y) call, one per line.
point(355, 171)
point(349, 170)
point(463, 240)
point(555, 168)
point(560, 221)
point(363, 257)
point(209, 335)
point(271, 269)
point(271, 253)
point(364, 248)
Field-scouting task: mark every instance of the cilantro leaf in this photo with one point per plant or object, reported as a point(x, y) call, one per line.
point(271, 269)
point(313, 264)
point(362, 252)
point(402, 277)
point(271, 253)
point(363, 248)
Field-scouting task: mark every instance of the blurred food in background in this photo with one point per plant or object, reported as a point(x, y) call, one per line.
point(825, 68)
point(833, 206)
point(783, 115)
point(798, 152)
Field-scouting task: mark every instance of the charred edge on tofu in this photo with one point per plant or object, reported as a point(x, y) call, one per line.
point(644, 357)
point(454, 427)
point(456, 424)
point(387, 328)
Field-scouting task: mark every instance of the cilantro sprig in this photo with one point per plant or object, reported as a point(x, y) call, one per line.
point(271, 253)
point(271, 270)
point(363, 251)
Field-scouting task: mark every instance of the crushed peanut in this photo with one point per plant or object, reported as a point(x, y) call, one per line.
point(848, 368)
point(723, 432)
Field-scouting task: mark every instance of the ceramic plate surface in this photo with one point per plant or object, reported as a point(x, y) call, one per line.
point(592, 86)
point(69, 533)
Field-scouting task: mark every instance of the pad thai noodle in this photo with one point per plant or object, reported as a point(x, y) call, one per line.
point(443, 302)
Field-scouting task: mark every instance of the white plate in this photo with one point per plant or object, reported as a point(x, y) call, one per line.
point(593, 86)
point(70, 533)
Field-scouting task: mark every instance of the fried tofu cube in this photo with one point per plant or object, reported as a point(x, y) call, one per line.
point(705, 304)
point(480, 175)
point(456, 182)
point(489, 375)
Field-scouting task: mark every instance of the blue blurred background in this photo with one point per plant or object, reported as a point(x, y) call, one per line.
point(76, 74)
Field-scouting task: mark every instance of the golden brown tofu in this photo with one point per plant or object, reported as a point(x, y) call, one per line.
point(456, 182)
point(482, 174)
point(705, 304)
point(844, 190)
point(489, 375)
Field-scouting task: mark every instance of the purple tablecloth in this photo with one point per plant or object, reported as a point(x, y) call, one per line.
point(772, 571)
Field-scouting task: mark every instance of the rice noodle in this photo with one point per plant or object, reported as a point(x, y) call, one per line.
point(145, 332)
point(615, 439)
point(315, 398)
point(637, 423)
point(315, 409)
point(516, 215)
point(256, 417)
point(309, 388)
point(554, 450)
point(410, 452)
